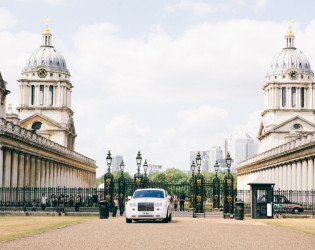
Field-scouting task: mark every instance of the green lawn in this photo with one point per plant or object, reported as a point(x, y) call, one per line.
point(302, 225)
point(17, 226)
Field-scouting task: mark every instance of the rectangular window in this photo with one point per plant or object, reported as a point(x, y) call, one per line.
point(284, 97)
point(302, 97)
point(32, 94)
point(51, 95)
point(293, 95)
point(41, 94)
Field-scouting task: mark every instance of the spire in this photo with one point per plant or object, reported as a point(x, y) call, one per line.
point(47, 35)
point(290, 37)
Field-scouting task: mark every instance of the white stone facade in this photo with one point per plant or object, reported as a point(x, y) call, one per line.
point(286, 134)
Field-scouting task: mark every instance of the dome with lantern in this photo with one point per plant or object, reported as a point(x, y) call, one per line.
point(46, 56)
point(290, 57)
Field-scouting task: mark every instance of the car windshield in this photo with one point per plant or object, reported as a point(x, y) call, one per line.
point(149, 194)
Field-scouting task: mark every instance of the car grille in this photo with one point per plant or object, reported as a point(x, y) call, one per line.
point(145, 206)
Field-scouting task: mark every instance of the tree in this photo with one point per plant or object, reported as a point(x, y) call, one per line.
point(116, 175)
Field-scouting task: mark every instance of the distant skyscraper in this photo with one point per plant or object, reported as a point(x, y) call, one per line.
point(245, 147)
point(154, 168)
point(117, 159)
point(215, 155)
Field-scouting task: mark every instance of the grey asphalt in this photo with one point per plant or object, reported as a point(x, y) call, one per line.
point(181, 233)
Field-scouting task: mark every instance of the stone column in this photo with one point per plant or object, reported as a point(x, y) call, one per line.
point(289, 177)
point(294, 176)
point(27, 175)
point(304, 174)
point(14, 168)
point(51, 176)
point(21, 170)
point(7, 168)
point(310, 174)
point(43, 173)
point(285, 177)
point(47, 177)
point(1, 166)
point(299, 175)
point(33, 166)
point(280, 177)
point(55, 174)
point(58, 175)
point(37, 172)
point(273, 174)
point(277, 178)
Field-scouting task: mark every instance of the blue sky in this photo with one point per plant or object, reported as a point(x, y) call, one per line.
point(162, 76)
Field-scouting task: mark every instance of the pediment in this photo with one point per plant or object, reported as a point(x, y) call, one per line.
point(49, 124)
point(286, 126)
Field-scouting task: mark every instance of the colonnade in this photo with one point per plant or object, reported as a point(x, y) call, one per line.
point(22, 169)
point(298, 174)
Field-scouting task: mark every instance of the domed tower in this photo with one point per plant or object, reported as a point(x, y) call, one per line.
point(288, 97)
point(45, 94)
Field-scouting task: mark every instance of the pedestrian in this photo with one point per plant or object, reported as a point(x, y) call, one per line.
point(34, 205)
point(77, 202)
point(43, 202)
point(175, 202)
point(121, 203)
point(182, 202)
point(115, 206)
point(62, 203)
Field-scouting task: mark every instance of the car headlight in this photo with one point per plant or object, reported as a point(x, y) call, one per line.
point(132, 204)
point(158, 204)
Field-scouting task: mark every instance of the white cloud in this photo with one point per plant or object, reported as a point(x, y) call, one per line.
point(201, 8)
point(7, 19)
point(261, 4)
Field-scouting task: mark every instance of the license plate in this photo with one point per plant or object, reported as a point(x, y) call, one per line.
point(146, 213)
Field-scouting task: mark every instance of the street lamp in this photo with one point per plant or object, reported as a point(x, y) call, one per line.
point(145, 167)
point(228, 161)
point(193, 167)
point(216, 168)
point(122, 166)
point(109, 160)
point(198, 161)
point(139, 159)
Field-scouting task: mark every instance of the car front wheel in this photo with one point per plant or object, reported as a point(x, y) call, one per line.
point(128, 220)
point(170, 217)
point(296, 211)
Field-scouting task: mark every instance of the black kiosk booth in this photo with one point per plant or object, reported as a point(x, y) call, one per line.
point(262, 198)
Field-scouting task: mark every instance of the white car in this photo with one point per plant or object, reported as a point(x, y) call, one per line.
point(149, 204)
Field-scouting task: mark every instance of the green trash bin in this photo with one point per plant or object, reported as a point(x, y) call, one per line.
point(239, 210)
point(104, 209)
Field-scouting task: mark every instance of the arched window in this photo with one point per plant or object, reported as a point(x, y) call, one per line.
point(293, 96)
point(284, 97)
point(302, 97)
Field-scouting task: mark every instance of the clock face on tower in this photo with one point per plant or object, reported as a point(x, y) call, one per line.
point(42, 73)
point(293, 75)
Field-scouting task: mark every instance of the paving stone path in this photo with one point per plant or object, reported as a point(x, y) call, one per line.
point(181, 233)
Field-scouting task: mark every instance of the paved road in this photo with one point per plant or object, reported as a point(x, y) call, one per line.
point(181, 233)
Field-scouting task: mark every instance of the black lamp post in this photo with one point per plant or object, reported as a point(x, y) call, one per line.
point(228, 161)
point(145, 179)
point(228, 210)
point(199, 190)
point(138, 178)
point(198, 161)
point(216, 168)
point(216, 187)
point(122, 167)
point(121, 179)
point(192, 184)
point(109, 182)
